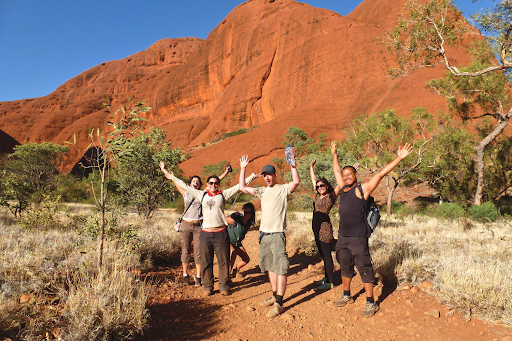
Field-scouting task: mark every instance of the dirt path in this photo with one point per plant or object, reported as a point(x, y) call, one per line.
point(182, 313)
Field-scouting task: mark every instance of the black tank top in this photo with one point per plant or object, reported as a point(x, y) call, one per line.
point(352, 217)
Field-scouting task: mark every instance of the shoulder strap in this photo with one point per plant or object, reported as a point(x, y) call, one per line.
point(200, 210)
point(361, 191)
point(186, 208)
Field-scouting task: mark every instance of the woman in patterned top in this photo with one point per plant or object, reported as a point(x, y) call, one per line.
point(322, 228)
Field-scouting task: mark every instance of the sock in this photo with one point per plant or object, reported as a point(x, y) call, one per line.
point(279, 299)
point(185, 275)
point(370, 299)
point(346, 292)
point(274, 293)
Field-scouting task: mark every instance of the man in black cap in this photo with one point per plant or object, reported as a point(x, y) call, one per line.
point(272, 258)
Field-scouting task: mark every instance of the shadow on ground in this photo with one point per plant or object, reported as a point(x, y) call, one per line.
point(182, 320)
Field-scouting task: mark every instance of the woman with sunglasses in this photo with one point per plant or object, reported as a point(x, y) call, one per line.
point(190, 229)
point(214, 237)
point(239, 224)
point(322, 227)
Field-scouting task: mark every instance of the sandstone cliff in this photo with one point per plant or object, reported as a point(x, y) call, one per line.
point(267, 64)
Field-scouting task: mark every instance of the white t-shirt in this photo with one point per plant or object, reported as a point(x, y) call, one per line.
point(273, 207)
point(213, 206)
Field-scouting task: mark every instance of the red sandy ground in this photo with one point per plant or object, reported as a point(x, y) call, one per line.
point(182, 313)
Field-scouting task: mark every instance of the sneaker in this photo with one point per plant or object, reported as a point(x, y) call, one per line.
point(275, 310)
point(208, 292)
point(268, 302)
point(370, 309)
point(185, 279)
point(325, 286)
point(197, 281)
point(322, 281)
point(344, 300)
point(225, 293)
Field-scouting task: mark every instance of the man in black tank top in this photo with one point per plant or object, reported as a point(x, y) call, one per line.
point(352, 246)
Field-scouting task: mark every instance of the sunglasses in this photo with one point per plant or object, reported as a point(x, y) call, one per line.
point(212, 183)
point(319, 186)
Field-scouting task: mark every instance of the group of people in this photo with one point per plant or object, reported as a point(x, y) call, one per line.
point(205, 223)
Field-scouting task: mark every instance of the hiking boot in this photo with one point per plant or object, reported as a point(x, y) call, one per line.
point(275, 310)
point(208, 292)
point(185, 279)
point(325, 286)
point(322, 281)
point(225, 293)
point(344, 300)
point(197, 281)
point(370, 309)
point(235, 273)
point(268, 302)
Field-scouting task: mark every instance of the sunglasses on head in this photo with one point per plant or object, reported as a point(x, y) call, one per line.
point(213, 183)
point(321, 185)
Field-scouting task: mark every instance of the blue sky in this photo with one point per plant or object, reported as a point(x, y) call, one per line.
point(45, 43)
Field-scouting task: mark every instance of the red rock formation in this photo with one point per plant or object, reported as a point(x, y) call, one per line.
point(267, 64)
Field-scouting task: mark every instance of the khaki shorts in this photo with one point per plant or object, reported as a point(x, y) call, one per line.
point(273, 256)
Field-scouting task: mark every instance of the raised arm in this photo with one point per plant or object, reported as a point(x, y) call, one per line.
point(336, 170)
point(369, 187)
point(232, 190)
point(312, 172)
point(169, 176)
point(244, 161)
point(295, 178)
point(223, 175)
point(180, 185)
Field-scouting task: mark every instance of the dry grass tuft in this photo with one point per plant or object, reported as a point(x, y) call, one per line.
point(67, 298)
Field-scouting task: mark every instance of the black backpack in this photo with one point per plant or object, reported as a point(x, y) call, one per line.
point(372, 212)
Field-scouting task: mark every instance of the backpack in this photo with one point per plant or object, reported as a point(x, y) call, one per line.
point(237, 233)
point(371, 212)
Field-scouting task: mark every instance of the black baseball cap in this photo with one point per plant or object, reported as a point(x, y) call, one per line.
point(269, 169)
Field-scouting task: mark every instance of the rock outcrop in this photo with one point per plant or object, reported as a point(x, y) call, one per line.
point(270, 64)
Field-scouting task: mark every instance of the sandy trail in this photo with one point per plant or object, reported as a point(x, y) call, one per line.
point(182, 313)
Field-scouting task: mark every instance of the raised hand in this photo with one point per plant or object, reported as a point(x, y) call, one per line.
point(312, 162)
point(167, 174)
point(244, 161)
point(404, 151)
point(333, 148)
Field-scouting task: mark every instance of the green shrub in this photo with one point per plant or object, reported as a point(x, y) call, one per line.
point(448, 210)
point(300, 202)
point(403, 211)
point(43, 216)
point(483, 213)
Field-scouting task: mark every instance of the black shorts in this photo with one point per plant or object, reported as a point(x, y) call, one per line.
point(354, 251)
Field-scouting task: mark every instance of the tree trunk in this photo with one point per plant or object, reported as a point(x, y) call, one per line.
point(102, 221)
point(391, 193)
point(480, 149)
